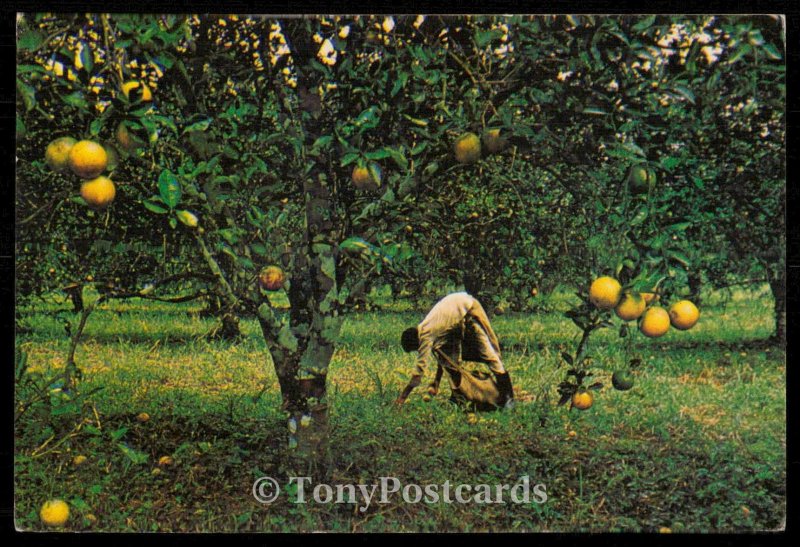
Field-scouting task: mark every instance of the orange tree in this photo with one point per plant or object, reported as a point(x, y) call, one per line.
point(696, 101)
point(252, 156)
point(315, 144)
point(61, 243)
point(653, 86)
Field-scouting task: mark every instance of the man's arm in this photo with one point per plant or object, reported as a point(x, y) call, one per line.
point(423, 356)
point(416, 379)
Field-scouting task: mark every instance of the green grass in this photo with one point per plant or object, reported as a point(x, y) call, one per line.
point(697, 445)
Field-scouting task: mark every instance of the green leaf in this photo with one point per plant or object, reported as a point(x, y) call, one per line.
point(75, 99)
point(355, 245)
point(96, 126)
point(375, 172)
point(150, 206)
point(594, 111)
point(638, 218)
point(381, 154)
point(416, 121)
point(86, 58)
point(644, 24)
point(323, 141)
point(29, 40)
point(200, 125)
point(399, 83)
point(740, 52)
point(430, 169)
point(388, 196)
point(658, 241)
point(399, 158)
point(368, 119)
point(349, 158)
point(134, 456)
point(485, 37)
point(166, 121)
point(684, 92)
point(169, 188)
point(117, 434)
point(669, 163)
point(628, 151)
point(28, 94)
point(679, 227)
point(679, 257)
point(287, 339)
point(229, 235)
point(755, 37)
point(25, 69)
point(187, 218)
point(419, 148)
point(772, 52)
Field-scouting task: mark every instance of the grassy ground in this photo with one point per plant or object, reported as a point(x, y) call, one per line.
point(697, 445)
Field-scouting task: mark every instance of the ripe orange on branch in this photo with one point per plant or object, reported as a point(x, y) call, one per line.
point(605, 292)
point(684, 315)
point(87, 159)
point(366, 177)
point(98, 192)
point(631, 306)
point(271, 278)
point(655, 322)
point(467, 148)
point(57, 153)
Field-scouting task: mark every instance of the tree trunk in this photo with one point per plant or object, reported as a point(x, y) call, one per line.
point(777, 283)
point(308, 423)
point(306, 342)
point(76, 296)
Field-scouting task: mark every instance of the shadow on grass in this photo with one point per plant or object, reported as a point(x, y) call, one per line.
point(177, 435)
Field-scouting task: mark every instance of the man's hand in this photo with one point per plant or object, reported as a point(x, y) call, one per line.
point(414, 382)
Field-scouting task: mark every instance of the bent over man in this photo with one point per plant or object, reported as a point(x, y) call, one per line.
point(458, 327)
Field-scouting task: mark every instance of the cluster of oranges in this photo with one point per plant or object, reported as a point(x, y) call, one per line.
point(468, 147)
point(606, 293)
point(87, 159)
